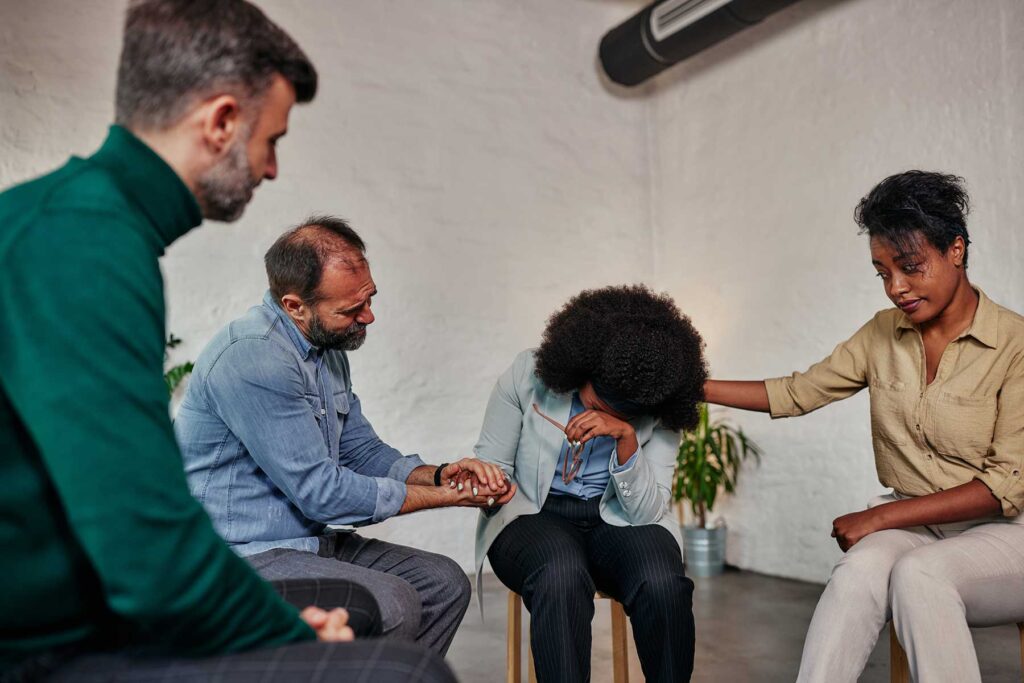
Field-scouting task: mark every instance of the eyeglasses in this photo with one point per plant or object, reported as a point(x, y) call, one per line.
point(571, 451)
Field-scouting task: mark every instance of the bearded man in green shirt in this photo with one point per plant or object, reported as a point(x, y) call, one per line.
point(111, 569)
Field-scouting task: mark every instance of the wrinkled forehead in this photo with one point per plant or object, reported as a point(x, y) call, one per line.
point(346, 280)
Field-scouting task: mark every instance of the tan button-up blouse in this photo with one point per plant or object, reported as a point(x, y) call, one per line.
point(967, 424)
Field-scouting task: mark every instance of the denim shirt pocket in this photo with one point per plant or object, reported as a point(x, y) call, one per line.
point(341, 403)
point(316, 407)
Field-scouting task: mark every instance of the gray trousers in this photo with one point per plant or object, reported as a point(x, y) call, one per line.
point(934, 583)
point(422, 596)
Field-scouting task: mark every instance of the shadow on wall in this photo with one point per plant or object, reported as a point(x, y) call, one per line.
point(728, 49)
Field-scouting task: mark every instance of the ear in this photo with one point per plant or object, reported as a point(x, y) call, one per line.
point(294, 307)
point(221, 121)
point(956, 251)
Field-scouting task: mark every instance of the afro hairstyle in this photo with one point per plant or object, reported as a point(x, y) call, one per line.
point(633, 341)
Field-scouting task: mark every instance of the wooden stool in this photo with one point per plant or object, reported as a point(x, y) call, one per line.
point(513, 639)
point(899, 667)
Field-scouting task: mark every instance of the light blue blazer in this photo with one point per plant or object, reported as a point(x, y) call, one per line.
point(527, 447)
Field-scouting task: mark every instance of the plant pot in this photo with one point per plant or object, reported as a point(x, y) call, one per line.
point(704, 550)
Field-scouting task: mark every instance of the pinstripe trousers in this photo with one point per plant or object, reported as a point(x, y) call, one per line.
point(557, 558)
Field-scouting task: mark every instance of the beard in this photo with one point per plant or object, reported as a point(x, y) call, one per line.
point(349, 339)
point(224, 189)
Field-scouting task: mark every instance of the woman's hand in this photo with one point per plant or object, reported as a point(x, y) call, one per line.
point(482, 473)
point(851, 528)
point(593, 423)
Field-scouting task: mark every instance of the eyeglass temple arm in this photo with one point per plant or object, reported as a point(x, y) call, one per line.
point(554, 422)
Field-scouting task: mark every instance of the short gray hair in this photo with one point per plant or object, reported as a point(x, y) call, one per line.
point(178, 52)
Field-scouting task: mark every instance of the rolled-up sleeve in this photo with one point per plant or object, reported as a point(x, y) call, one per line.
point(842, 374)
point(1004, 464)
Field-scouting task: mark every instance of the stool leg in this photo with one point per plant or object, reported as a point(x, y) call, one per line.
point(513, 638)
point(620, 644)
point(899, 667)
point(1021, 627)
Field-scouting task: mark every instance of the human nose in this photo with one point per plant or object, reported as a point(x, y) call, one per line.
point(898, 286)
point(270, 172)
point(365, 316)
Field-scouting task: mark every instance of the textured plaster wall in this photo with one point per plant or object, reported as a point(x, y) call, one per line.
point(763, 146)
point(472, 144)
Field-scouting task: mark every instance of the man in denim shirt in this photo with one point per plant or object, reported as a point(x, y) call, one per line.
point(276, 446)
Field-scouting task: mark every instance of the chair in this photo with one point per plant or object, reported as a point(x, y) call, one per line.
point(899, 667)
point(620, 642)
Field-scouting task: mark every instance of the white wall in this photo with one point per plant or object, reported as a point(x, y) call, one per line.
point(473, 145)
point(764, 145)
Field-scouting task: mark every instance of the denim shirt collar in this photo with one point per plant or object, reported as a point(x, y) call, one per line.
point(304, 347)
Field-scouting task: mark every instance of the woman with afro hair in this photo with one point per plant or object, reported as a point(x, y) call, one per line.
point(587, 427)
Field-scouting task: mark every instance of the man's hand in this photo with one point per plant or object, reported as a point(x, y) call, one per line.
point(452, 495)
point(483, 498)
point(329, 626)
point(849, 529)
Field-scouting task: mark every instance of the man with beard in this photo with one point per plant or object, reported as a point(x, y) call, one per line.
point(277, 448)
point(113, 570)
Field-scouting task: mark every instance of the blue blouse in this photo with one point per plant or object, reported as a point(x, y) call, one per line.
point(599, 461)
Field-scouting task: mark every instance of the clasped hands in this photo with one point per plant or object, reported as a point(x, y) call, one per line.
point(478, 484)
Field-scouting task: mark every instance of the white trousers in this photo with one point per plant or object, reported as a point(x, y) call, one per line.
point(933, 582)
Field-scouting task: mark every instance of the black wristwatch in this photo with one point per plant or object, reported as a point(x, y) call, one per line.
point(437, 473)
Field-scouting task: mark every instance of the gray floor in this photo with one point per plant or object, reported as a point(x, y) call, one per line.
point(750, 628)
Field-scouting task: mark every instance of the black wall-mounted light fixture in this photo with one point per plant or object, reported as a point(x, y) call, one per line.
point(667, 32)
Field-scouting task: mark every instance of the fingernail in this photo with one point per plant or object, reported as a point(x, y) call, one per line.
point(451, 484)
point(460, 487)
point(490, 501)
point(475, 492)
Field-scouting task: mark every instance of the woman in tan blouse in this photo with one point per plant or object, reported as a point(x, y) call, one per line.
point(945, 373)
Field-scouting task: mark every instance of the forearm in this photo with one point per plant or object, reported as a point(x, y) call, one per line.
point(626, 446)
point(748, 395)
point(972, 500)
point(419, 497)
point(422, 476)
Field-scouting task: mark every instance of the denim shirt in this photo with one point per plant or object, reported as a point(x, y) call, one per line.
point(600, 460)
point(274, 441)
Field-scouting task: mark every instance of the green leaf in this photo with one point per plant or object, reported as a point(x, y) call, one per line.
point(175, 375)
point(709, 460)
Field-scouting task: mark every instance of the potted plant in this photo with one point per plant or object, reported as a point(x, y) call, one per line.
point(708, 463)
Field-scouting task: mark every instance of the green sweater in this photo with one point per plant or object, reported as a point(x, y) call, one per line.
point(101, 543)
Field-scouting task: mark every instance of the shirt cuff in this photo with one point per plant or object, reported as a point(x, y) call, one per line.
point(780, 403)
point(390, 497)
point(403, 467)
point(619, 469)
point(1007, 489)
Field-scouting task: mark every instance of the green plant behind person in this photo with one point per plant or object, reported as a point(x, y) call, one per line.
point(175, 374)
point(709, 461)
